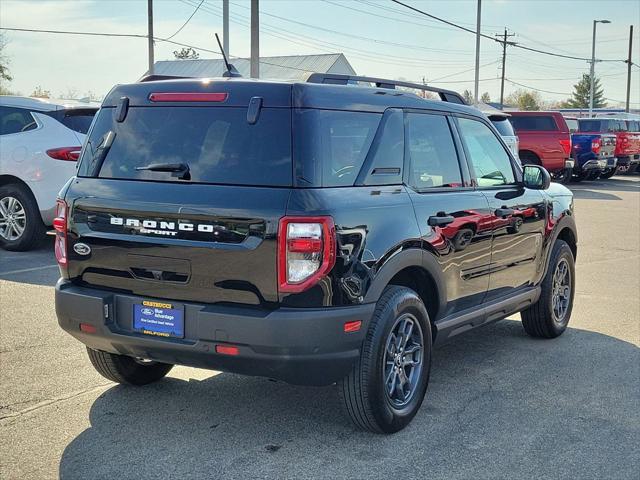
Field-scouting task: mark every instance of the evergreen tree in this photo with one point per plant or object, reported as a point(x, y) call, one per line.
point(581, 90)
point(485, 98)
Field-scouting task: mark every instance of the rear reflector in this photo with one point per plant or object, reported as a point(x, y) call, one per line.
point(227, 350)
point(352, 326)
point(188, 97)
point(69, 154)
point(86, 328)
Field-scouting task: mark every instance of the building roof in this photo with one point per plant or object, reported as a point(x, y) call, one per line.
point(292, 67)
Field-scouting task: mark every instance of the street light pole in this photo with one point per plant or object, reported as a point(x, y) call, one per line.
point(593, 64)
point(150, 35)
point(476, 82)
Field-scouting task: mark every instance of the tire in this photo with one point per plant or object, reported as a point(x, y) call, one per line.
point(127, 370)
point(594, 175)
point(542, 320)
point(608, 173)
point(582, 175)
point(462, 239)
point(564, 176)
point(364, 390)
point(21, 226)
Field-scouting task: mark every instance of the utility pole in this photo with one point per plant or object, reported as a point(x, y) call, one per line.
point(504, 61)
point(225, 27)
point(150, 34)
point(593, 66)
point(255, 40)
point(626, 108)
point(477, 79)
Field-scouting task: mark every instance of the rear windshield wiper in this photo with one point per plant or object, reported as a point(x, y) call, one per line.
point(180, 170)
point(101, 152)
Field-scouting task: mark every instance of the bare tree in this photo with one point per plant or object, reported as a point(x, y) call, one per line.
point(39, 92)
point(186, 54)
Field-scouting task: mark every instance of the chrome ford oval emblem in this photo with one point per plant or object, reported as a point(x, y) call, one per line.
point(82, 249)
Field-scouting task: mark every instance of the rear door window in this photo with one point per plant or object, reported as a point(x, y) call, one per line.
point(633, 125)
point(217, 144)
point(16, 120)
point(544, 123)
point(433, 160)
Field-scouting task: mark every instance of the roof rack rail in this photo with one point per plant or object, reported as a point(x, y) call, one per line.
point(153, 78)
point(339, 79)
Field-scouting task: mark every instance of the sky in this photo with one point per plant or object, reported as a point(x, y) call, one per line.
point(378, 37)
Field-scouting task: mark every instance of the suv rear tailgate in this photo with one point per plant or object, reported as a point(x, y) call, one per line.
point(202, 243)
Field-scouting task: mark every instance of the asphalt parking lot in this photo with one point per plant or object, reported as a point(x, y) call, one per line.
point(500, 404)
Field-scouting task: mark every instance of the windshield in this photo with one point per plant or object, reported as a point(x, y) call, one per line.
point(217, 144)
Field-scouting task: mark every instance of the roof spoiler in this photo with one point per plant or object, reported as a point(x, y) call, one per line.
point(338, 79)
point(154, 78)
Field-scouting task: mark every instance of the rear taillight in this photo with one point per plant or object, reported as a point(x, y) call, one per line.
point(306, 251)
point(60, 226)
point(70, 154)
point(595, 146)
point(566, 145)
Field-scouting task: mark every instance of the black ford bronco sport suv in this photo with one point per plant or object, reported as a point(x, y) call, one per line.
point(319, 232)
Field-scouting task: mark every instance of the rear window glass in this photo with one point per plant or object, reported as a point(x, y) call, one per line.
point(331, 145)
point(592, 126)
point(216, 143)
point(572, 123)
point(78, 120)
point(544, 123)
point(503, 126)
point(609, 125)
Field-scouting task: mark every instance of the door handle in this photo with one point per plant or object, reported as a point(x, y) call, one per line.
point(504, 212)
point(440, 220)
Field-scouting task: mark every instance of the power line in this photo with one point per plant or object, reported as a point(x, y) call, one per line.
point(304, 40)
point(422, 12)
point(188, 20)
point(133, 35)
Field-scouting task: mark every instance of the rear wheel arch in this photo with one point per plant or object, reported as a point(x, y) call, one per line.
point(569, 236)
point(416, 270)
point(529, 157)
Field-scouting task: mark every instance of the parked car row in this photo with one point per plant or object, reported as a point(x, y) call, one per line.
point(40, 141)
point(573, 149)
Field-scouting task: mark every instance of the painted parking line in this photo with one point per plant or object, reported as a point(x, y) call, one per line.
point(25, 270)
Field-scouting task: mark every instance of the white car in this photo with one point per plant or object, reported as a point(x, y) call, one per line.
point(40, 140)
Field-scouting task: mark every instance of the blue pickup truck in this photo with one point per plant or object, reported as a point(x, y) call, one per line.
point(594, 155)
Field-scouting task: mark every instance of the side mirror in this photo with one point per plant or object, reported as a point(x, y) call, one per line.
point(536, 177)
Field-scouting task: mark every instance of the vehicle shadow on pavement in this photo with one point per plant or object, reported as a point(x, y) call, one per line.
point(584, 194)
point(499, 404)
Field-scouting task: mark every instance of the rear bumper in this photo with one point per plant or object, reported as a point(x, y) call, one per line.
point(300, 346)
point(599, 164)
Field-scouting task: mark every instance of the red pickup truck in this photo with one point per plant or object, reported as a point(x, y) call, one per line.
point(627, 134)
point(544, 140)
